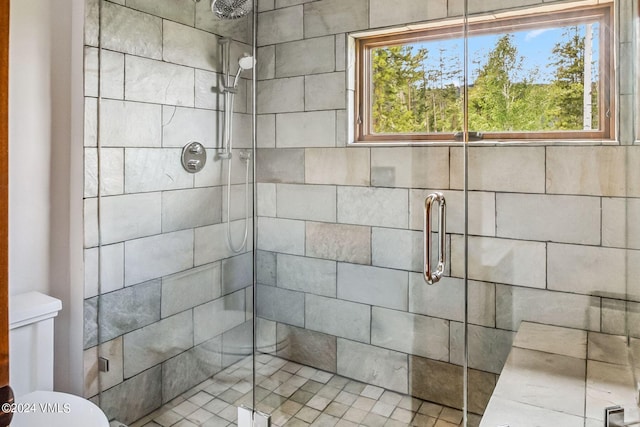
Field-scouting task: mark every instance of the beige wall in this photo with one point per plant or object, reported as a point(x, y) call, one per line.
point(45, 116)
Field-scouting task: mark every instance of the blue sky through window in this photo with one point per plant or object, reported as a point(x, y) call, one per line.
point(534, 45)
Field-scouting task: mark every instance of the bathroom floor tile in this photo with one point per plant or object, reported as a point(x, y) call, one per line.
point(297, 396)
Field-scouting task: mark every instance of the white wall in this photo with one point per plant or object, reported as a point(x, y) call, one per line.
point(30, 107)
point(45, 203)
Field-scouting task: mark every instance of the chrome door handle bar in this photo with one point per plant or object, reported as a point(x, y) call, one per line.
point(430, 276)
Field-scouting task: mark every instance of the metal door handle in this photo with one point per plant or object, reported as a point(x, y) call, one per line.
point(430, 276)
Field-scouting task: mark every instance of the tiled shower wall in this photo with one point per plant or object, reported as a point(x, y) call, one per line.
point(174, 303)
point(339, 228)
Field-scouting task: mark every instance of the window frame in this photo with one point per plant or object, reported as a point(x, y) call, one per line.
point(603, 13)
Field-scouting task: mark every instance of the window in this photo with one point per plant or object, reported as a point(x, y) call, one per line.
point(539, 76)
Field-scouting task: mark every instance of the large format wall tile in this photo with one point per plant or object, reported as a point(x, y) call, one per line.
point(373, 285)
point(350, 243)
point(219, 316)
point(266, 199)
point(158, 82)
point(277, 165)
point(129, 31)
point(281, 235)
point(446, 299)
point(619, 225)
point(281, 95)
point(281, 305)
point(237, 344)
point(293, 59)
point(157, 342)
point(307, 347)
point(335, 16)
point(384, 13)
point(237, 272)
point(311, 129)
point(413, 167)
point(394, 248)
point(129, 217)
point(90, 323)
point(441, 382)
point(597, 171)
point(324, 91)
point(410, 333)
point(568, 219)
point(341, 166)
point(148, 169)
point(307, 202)
point(91, 22)
point(111, 270)
point(111, 73)
point(176, 10)
point(310, 275)
point(211, 241)
point(216, 171)
point(128, 309)
point(572, 268)
point(190, 368)
point(191, 208)
point(488, 347)
point(183, 125)
point(435, 381)
point(90, 122)
point(130, 124)
point(189, 46)
point(111, 175)
point(337, 317)
point(511, 169)
point(266, 266)
point(117, 402)
point(515, 304)
point(373, 365)
point(207, 91)
point(280, 25)
point(383, 207)
point(190, 288)
point(157, 256)
point(516, 262)
point(111, 350)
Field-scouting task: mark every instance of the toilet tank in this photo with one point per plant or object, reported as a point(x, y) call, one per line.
point(31, 341)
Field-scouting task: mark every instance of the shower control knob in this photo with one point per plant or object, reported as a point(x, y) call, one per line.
point(195, 149)
point(193, 165)
point(194, 157)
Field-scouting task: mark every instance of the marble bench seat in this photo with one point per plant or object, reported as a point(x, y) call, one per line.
point(562, 377)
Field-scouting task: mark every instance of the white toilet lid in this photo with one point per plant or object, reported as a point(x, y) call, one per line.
point(54, 409)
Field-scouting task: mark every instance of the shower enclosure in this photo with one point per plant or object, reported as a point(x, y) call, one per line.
point(323, 315)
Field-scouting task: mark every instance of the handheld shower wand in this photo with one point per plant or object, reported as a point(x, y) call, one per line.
point(246, 62)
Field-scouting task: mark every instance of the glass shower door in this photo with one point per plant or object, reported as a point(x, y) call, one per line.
point(557, 167)
point(168, 302)
point(343, 308)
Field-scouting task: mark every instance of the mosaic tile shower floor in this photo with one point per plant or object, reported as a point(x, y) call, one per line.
point(298, 396)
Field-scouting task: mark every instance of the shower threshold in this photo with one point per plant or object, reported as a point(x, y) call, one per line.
point(297, 396)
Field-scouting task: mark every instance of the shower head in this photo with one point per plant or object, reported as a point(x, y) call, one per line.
point(246, 62)
point(231, 9)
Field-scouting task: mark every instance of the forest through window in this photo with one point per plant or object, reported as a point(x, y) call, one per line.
point(533, 78)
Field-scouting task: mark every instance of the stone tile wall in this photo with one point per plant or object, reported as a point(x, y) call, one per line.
point(174, 303)
point(339, 226)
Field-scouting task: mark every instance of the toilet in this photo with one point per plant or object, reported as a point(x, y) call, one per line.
point(31, 318)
